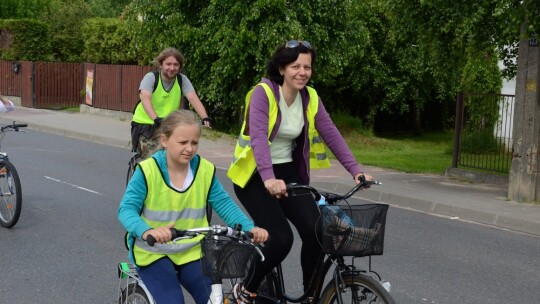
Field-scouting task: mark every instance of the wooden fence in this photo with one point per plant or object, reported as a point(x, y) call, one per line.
point(50, 85)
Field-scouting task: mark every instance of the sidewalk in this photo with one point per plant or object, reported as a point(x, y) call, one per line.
point(440, 195)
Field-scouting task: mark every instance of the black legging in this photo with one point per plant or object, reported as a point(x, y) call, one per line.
point(271, 214)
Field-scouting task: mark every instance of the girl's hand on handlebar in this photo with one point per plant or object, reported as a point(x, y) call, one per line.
point(160, 234)
point(260, 235)
point(276, 187)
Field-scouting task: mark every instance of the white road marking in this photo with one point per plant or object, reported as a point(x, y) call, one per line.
point(72, 185)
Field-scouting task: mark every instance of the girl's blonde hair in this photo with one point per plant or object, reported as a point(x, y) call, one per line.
point(173, 120)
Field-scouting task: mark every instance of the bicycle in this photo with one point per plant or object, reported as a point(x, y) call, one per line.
point(348, 230)
point(227, 252)
point(10, 184)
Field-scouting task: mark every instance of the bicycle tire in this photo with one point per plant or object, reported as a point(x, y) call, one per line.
point(10, 194)
point(133, 294)
point(361, 289)
point(133, 161)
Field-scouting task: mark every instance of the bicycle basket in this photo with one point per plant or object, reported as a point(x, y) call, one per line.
point(226, 259)
point(355, 230)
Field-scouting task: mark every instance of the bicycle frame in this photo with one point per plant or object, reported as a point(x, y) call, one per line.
point(317, 280)
point(342, 272)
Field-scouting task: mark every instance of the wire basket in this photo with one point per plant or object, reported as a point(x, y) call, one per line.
point(225, 258)
point(354, 230)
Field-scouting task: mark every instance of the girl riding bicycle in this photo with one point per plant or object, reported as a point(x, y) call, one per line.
point(279, 143)
point(172, 189)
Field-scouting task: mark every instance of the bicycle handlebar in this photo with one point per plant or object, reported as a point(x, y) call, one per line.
point(14, 126)
point(233, 233)
point(331, 198)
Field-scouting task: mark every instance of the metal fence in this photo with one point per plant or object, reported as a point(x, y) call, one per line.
point(483, 139)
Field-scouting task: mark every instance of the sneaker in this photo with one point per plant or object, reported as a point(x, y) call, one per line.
point(242, 296)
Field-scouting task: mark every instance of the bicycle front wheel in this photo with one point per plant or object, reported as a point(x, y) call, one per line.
point(134, 294)
point(358, 289)
point(10, 194)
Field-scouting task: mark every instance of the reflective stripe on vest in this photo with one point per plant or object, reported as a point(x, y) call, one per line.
point(244, 165)
point(163, 102)
point(164, 206)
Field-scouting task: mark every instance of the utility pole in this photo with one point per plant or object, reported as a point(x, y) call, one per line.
point(524, 178)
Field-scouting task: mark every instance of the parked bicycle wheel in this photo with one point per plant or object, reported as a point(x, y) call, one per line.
point(10, 194)
point(359, 289)
point(133, 294)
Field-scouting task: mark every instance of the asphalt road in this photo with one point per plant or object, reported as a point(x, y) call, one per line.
point(68, 241)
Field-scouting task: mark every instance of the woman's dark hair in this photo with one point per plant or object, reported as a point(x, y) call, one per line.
point(283, 56)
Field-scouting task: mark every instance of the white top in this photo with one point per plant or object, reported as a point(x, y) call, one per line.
point(7, 108)
point(292, 121)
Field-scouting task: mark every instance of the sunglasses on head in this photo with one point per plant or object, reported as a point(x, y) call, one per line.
point(291, 44)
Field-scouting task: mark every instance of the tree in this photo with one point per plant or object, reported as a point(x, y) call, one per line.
point(65, 28)
point(18, 9)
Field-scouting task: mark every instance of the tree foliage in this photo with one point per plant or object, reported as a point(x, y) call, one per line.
point(393, 64)
point(24, 39)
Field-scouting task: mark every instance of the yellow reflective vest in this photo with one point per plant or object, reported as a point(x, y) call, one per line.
point(163, 102)
point(244, 165)
point(164, 206)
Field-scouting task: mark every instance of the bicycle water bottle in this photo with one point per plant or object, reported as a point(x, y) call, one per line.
point(322, 201)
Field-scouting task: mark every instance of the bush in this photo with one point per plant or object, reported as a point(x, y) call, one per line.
point(479, 142)
point(24, 39)
point(106, 40)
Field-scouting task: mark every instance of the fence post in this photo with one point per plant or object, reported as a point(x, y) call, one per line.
point(457, 129)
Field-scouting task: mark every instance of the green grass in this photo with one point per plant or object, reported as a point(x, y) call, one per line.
point(428, 153)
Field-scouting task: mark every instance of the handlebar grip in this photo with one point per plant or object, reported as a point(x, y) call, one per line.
point(150, 240)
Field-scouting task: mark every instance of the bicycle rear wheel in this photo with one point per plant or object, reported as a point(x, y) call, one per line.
point(358, 289)
point(135, 159)
point(10, 194)
point(134, 294)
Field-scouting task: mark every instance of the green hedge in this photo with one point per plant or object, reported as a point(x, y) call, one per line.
point(107, 40)
point(24, 39)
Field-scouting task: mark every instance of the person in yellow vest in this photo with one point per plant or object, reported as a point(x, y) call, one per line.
point(160, 94)
point(172, 189)
point(283, 136)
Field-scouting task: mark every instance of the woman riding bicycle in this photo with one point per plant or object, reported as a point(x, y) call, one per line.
point(279, 143)
point(160, 94)
point(172, 189)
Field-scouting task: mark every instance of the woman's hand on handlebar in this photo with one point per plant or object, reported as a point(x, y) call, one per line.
point(160, 234)
point(260, 235)
point(358, 178)
point(276, 187)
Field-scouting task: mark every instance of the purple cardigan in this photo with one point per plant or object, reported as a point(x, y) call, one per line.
point(258, 132)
